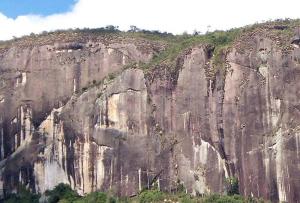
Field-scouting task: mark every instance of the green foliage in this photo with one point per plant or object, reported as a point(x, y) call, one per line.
point(232, 186)
point(187, 199)
point(107, 29)
point(215, 198)
point(280, 30)
point(219, 53)
point(180, 187)
point(95, 197)
point(111, 76)
point(22, 196)
point(148, 196)
point(219, 40)
point(61, 192)
point(95, 83)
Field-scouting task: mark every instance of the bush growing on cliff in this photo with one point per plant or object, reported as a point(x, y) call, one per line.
point(23, 195)
point(232, 186)
point(215, 198)
point(61, 192)
point(148, 196)
point(97, 197)
point(111, 76)
point(219, 40)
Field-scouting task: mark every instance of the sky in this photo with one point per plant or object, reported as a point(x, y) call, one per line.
point(15, 8)
point(22, 17)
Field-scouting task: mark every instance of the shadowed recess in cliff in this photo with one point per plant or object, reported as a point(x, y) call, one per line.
point(112, 111)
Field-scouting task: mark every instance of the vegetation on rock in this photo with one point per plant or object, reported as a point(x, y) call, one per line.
point(22, 196)
point(220, 42)
point(63, 193)
point(232, 186)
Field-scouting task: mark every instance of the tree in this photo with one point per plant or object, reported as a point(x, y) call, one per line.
point(61, 191)
point(112, 28)
point(23, 195)
point(195, 32)
point(134, 28)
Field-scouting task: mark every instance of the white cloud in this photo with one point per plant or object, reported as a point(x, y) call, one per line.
point(174, 16)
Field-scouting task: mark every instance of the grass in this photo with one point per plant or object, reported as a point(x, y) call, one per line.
point(176, 44)
point(109, 78)
point(220, 41)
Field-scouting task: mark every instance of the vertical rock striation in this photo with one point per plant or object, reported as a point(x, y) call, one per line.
point(65, 117)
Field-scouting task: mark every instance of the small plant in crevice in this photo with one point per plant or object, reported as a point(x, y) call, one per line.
point(84, 89)
point(99, 95)
point(111, 76)
point(180, 187)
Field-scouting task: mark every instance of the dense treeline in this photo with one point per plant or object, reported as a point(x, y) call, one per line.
point(63, 193)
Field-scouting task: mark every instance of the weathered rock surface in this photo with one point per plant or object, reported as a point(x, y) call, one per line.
point(169, 127)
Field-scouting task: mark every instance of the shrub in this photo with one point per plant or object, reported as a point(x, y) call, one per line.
point(151, 196)
point(23, 196)
point(215, 198)
point(61, 192)
point(96, 197)
point(232, 186)
point(187, 199)
point(111, 76)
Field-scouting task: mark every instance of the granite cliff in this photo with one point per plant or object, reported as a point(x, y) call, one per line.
point(121, 111)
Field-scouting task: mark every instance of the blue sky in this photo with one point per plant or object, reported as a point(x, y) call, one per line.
point(14, 8)
point(22, 17)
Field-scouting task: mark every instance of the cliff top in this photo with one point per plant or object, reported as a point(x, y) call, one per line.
point(282, 32)
point(111, 33)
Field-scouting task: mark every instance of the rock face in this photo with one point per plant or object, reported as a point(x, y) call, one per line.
point(58, 123)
